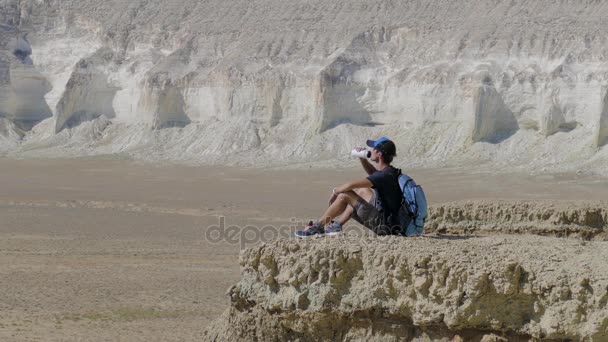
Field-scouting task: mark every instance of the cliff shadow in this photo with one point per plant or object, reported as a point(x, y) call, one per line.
point(88, 93)
point(602, 132)
point(493, 121)
point(340, 96)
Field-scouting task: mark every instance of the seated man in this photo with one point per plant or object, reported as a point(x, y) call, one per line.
point(373, 201)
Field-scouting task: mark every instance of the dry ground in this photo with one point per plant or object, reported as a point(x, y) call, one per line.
point(102, 250)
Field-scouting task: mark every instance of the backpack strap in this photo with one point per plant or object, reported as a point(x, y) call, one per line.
point(403, 198)
point(404, 184)
point(402, 189)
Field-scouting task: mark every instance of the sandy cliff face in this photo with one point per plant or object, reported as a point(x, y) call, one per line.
point(504, 288)
point(510, 82)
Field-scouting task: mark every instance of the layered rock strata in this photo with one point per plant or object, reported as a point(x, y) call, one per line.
point(522, 85)
point(575, 219)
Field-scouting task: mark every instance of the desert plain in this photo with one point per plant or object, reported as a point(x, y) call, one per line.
point(103, 249)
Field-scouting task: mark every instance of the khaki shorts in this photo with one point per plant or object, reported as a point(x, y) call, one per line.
point(369, 215)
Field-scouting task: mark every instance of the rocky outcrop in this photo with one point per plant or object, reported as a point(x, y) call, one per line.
point(493, 119)
point(10, 134)
point(88, 94)
point(581, 219)
point(163, 103)
point(504, 288)
point(22, 87)
point(602, 134)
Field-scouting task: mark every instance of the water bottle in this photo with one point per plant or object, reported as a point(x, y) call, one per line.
point(360, 154)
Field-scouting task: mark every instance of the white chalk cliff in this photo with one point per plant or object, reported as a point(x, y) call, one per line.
point(516, 84)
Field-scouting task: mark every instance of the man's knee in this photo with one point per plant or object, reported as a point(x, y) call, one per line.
point(343, 197)
point(346, 197)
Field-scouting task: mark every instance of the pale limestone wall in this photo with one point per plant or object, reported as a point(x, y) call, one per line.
point(510, 87)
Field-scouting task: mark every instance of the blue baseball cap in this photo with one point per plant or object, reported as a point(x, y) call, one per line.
point(375, 143)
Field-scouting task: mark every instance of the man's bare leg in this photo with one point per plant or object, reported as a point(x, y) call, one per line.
point(366, 194)
point(342, 202)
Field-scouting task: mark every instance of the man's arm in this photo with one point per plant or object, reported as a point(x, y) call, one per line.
point(362, 183)
point(367, 166)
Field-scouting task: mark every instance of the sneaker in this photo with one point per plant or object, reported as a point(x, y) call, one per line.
point(314, 228)
point(334, 228)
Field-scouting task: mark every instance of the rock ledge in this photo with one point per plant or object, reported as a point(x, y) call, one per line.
point(515, 288)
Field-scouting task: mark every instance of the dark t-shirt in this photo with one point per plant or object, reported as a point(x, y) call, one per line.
point(386, 182)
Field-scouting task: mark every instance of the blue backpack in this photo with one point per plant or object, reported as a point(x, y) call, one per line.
point(414, 207)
